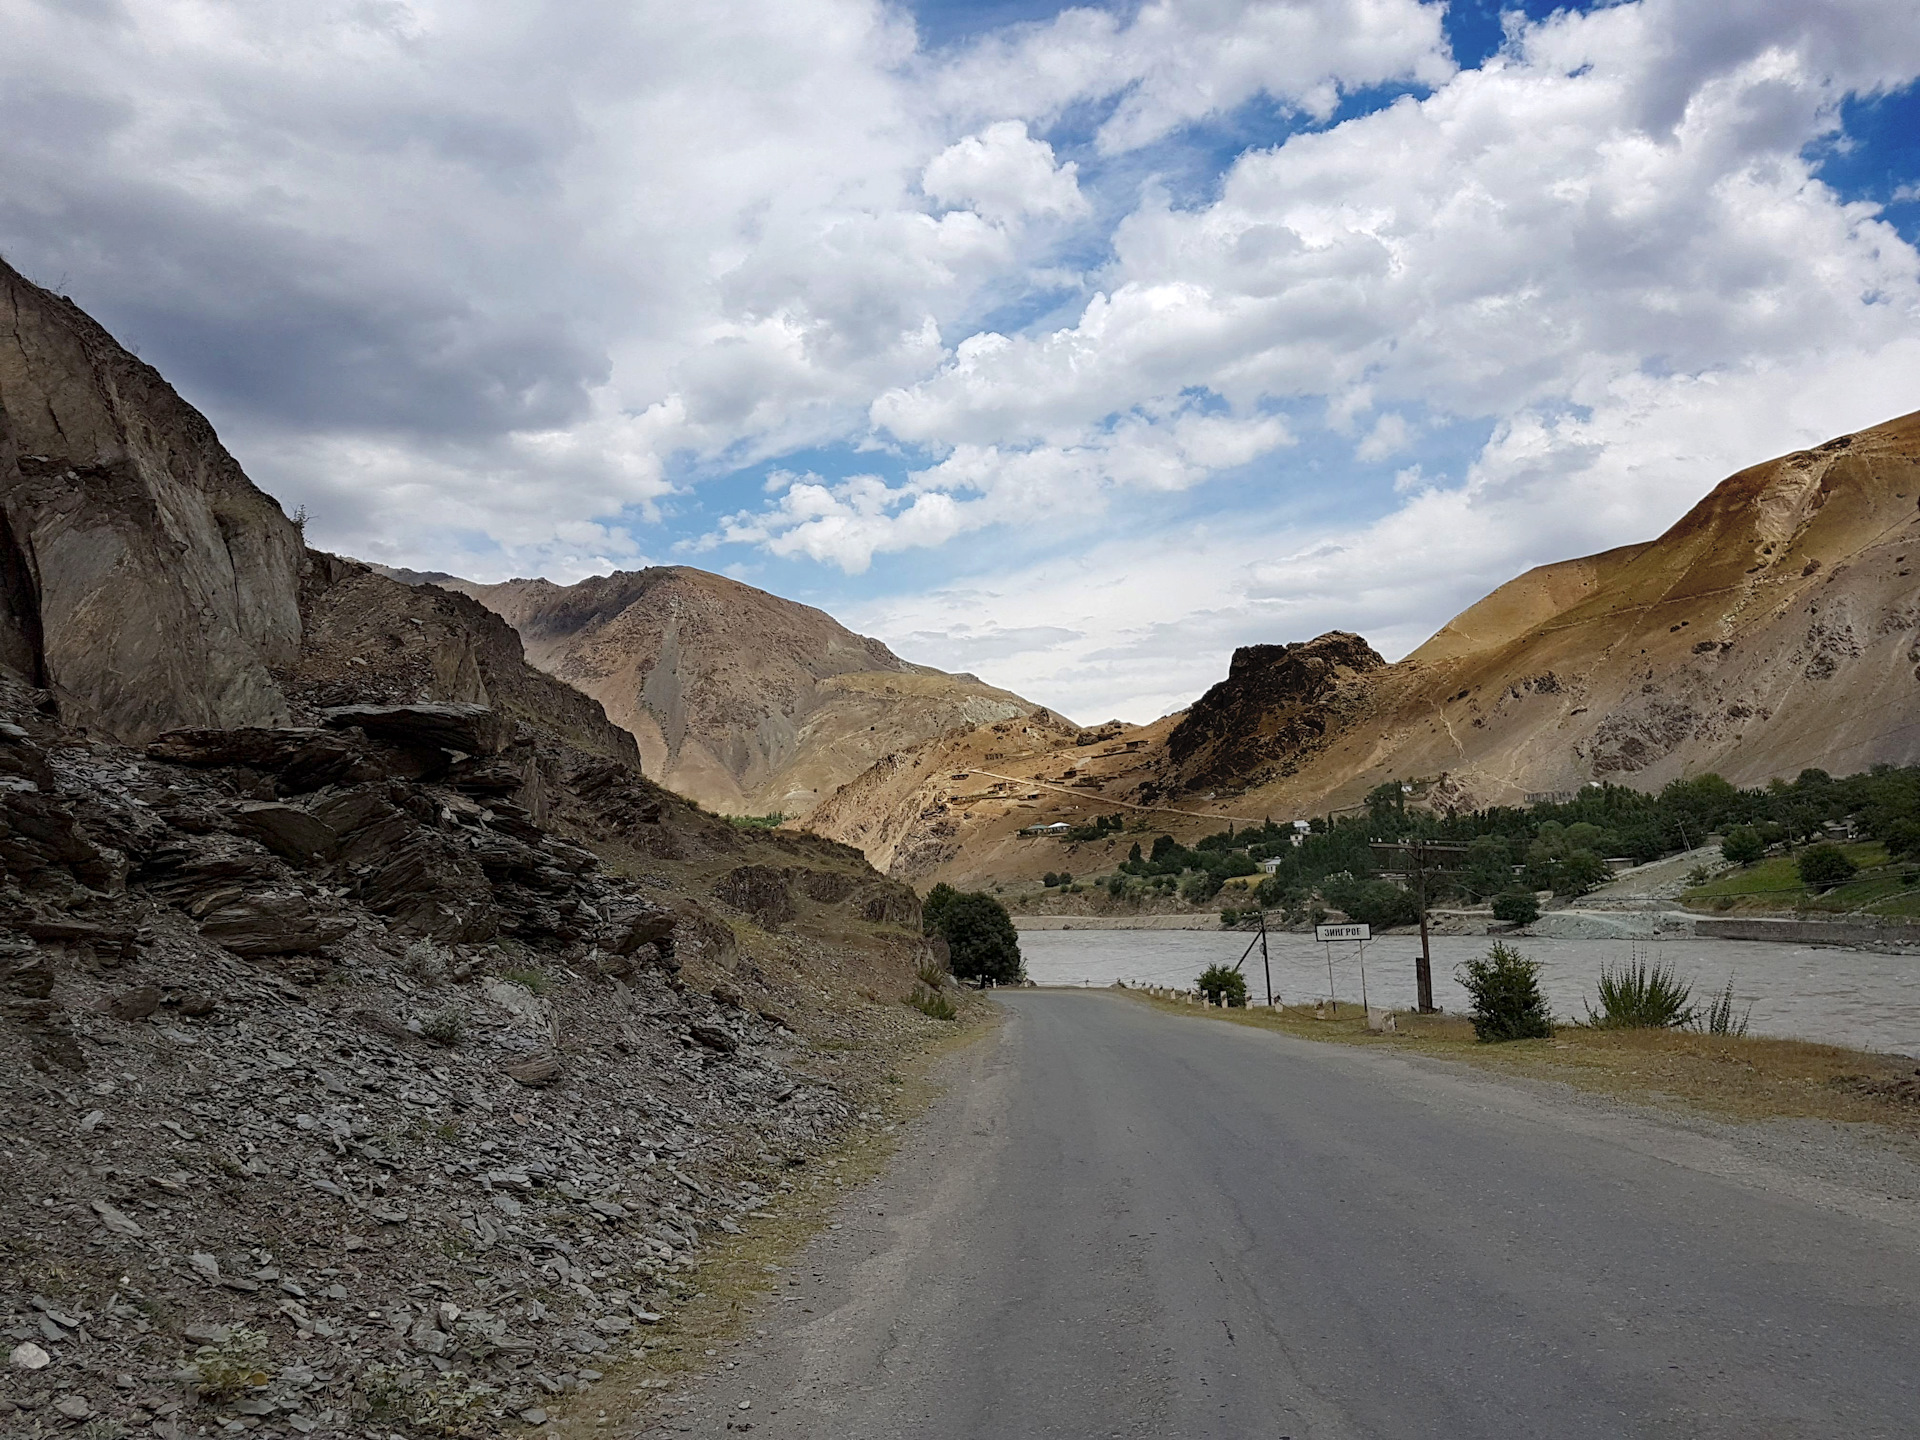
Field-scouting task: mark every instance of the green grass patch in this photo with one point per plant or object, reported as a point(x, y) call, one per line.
point(1881, 887)
point(771, 821)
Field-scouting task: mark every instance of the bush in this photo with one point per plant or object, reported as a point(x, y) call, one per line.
point(1639, 996)
point(1742, 846)
point(1822, 867)
point(1224, 985)
point(445, 1026)
point(1516, 907)
point(932, 1003)
point(231, 1368)
point(1718, 1017)
point(980, 937)
point(1504, 986)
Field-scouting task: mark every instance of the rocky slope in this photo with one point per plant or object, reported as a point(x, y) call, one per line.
point(378, 1047)
point(742, 701)
point(1773, 628)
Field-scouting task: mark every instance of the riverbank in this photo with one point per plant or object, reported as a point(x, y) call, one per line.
point(1740, 1077)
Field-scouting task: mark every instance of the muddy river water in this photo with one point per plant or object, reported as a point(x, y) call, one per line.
point(1843, 997)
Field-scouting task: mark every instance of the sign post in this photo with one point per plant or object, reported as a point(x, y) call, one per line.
point(1326, 935)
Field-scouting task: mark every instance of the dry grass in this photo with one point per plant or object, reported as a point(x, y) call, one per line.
point(735, 1284)
point(1737, 1077)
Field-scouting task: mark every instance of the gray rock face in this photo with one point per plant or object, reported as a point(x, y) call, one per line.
point(143, 578)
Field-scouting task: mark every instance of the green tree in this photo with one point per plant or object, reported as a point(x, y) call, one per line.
point(1516, 907)
point(1903, 839)
point(1504, 987)
point(1581, 871)
point(1822, 867)
point(1200, 887)
point(935, 905)
point(1224, 985)
point(981, 939)
point(1742, 846)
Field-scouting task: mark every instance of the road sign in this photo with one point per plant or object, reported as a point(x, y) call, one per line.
point(1343, 932)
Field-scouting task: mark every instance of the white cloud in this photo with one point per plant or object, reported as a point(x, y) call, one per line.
point(495, 286)
point(1172, 63)
point(1005, 174)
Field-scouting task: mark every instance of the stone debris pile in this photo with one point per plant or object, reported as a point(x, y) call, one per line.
point(343, 1092)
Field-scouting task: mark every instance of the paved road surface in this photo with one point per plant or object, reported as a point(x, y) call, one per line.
point(1123, 1223)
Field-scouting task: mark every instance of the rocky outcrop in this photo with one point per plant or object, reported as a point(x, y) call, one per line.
point(1275, 707)
point(146, 583)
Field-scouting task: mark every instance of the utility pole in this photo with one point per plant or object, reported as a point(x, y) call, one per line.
point(1420, 859)
point(1265, 963)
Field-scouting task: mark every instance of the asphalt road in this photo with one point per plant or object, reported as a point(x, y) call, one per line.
point(1123, 1223)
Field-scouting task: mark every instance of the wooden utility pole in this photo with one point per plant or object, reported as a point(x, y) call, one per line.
point(1418, 860)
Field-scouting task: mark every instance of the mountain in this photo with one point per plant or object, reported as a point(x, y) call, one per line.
point(350, 957)
point(1774, 627)
point(740, 700)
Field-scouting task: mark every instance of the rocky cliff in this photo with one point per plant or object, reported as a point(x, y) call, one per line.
point(146, 582)
point(740, 700)
point(379, 1048)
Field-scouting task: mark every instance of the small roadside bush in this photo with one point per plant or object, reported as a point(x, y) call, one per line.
point(1224, 985)
point(1053, 880)
point(1718, 1018)
point(1822, 867)
point(1504, 987)
point(1743, 846)
point(1641, 996)
point(1516, 907)
point(933, 1004)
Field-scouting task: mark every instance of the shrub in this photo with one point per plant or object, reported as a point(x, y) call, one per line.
point(932, 1003)
point(1639, 996)
point(1224, 985)
point(1822, 867)
point(445, 1026)
point(981, 938)
point(1504, 986)
point(1516, 907)
point(1742, 846)
point(235, 1365)
point(932, 974)
point(536, 982)
point(1718, 1018)
point(425, 961)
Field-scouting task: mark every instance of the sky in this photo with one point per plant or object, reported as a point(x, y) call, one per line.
point(1070, 347)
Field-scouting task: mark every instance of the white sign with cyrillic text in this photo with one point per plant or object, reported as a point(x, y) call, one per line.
point(1343, 932)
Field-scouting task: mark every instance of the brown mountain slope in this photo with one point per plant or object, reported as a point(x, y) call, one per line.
point(1773, 628)
point(745, 702)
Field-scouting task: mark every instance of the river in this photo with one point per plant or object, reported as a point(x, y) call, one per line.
point(1841, 997)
